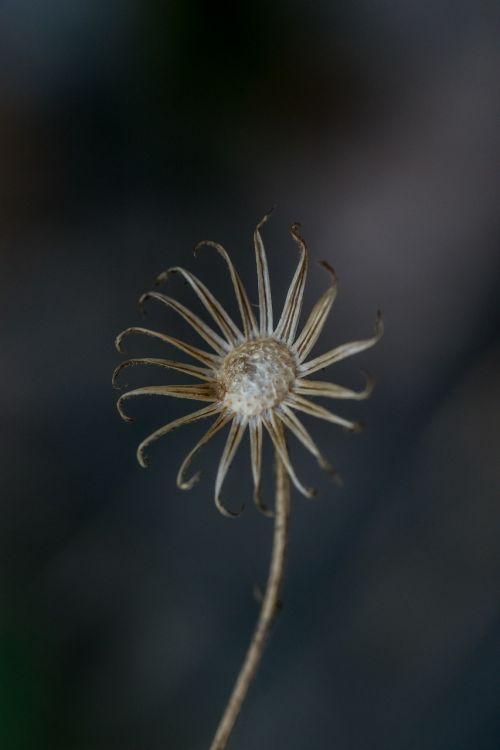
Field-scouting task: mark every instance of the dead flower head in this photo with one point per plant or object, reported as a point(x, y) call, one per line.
point(257, 377)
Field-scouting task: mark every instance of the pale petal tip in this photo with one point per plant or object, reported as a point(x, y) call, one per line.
point(116, 373)
point(164, 275)
point(325, 464)
point(118, 342)
point(142, 458)
point(189, 483)
point(203, 243)
point(225, 511)
point(265, 218)
point(328, 468)
point(141, 303)
point(121, 412)
point(369, 385)
point(324, 264)
point(261, 506)
point(198, 246)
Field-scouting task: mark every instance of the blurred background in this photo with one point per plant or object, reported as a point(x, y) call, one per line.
point(128, 132)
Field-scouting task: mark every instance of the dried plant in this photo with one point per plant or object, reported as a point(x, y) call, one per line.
point(257, 377)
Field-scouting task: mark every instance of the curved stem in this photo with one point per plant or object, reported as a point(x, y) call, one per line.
point(269, 608)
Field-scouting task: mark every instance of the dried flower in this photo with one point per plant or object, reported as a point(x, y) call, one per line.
point(257, 377)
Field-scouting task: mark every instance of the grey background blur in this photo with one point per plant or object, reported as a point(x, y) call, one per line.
point(128, 132)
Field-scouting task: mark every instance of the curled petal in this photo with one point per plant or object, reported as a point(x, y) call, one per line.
point(255, 427)
point(315, 410)
point(196, 372)
point(186, 484)
point(221, 317)
point(293, 423)
point(246, 312)
point(317, 319)
point(331, 390)
point(276, 433)
point(287, 325)
point(205, 357)
point(343, 351)
point(207, 411)
point(263, 282)
point(202, 329)
point(233, 440)
point(200, 392)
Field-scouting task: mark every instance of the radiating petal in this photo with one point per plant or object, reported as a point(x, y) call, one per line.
point(316, 320)
point(331, 390)
point(315, 410)
point(343, 351)
point(255, 427)
point(196, 372)
point(207, 411)
point(276, 433)
point(211, 337)
point(264, 285)
point(293, 423)
point(208, 359)
point(212, 305)
point(287, 325)
point(200, 392)
point(233, 440)
point(186, 484)
point(247, 315)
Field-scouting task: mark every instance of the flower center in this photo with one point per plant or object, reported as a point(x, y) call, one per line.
point(256, 376)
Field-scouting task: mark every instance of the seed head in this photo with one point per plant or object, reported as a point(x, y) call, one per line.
point(255, 377)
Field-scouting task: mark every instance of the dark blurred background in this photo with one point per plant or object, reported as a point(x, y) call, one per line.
point(128, 132)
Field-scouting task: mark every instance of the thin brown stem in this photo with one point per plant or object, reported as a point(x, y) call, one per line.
point(269, 608)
